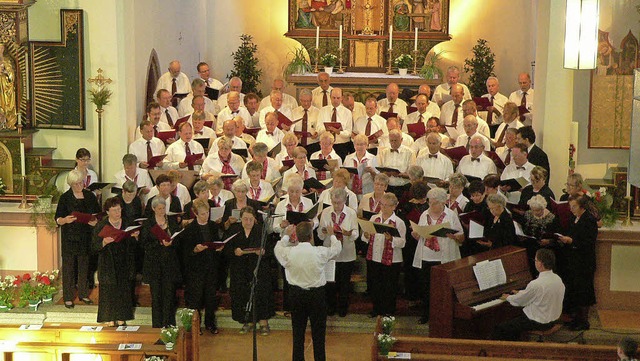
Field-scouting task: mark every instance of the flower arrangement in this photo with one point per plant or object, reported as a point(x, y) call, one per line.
point(385, 342)
point(47, 284)
point(100, 97)
point(33, 288)
point(604, 205)
point(155, 358)
point(329, 60)
point(28, 293)
point(388, 323)
point(404, 61)
point(7, 292)
point(185, 315)
point(3, 187)
point(169, 335)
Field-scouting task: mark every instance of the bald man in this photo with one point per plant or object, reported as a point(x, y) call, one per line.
point(524, 96)
point(392, 103)
point(493, 114)
point(174, 76)
point(432, 107)
point(232, 110)
point(322, 93)
point(453, 75)
point(235, 85)
point(288, 101)
point(336, 112)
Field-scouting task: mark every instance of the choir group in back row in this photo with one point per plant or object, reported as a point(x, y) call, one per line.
point(439, 161)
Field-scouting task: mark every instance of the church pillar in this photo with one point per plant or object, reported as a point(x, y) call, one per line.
point(554, 91)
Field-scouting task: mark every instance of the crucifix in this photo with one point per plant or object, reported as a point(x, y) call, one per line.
point(368, 15)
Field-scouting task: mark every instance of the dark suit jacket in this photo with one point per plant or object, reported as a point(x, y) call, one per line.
point(537, 156)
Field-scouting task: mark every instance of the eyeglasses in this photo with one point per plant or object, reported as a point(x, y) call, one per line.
point(85, 159)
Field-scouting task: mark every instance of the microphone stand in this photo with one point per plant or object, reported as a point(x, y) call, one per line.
point(251, 304)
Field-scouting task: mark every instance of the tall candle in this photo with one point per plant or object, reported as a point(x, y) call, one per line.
point(317, 37)
point(390, 37)
point(19, 118)
point(415, 41)
point(340, 42)
point(628, 187)
point(22, 166)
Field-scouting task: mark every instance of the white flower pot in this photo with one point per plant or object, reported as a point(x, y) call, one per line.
point(328, 69)
point(402, 71)
point(168, 346)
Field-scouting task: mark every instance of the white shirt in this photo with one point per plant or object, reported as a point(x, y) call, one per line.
point(445, 88)
point(228, 114)
point(185, 108)
point(383, 142)
point(365, 203)
point(439, 167)
point(176, 153)
point(317, 96)
point(351, 160)
point(262, 193)
point(271, 140)
point(359, 110)
point(463, 138)
point(183, 84)
point(222, 197)
point(413, 119)
point(181, 192)
point(311, 173)
point(343, 116)
point(281, 211)
point(446, 113)
point(332, 155)
point(477, 169)
point(139, 148)
point(461, 201)
point(312, 121)
point(502, 152)
point(400, 160)
point(512, 172)
point(206, 133)
point(420, 144)
point(449, 248)
point(350, 223)
point(173, 113)
point(542, 299)
point(288, 101)
point(213, 83)
point(483, 128)
point(504, 126)
point(516, 97)
point(434, 109)
point(499, 100)
point(272, 170)
point(213, 164)
point(238, 143)
point(325, 198)
point(377, 123)
point(263, 113)
point(303, 263)
point(222, 100)
point(399, 107)
point(141, 179)
point(397, 243)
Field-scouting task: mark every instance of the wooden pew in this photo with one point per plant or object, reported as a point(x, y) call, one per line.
point(426, 348)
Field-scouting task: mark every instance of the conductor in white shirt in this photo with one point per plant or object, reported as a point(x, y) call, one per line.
point(304, 267)
point(541, 301)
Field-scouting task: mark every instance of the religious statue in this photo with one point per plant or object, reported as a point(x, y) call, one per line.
point(418, 9)
point(304, 15)
point(312, 13)
point(435, 24)
point(368, 18)
point(8, 114)
point(401, 19)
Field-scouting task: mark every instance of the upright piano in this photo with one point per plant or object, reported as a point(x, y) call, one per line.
point(458, 309)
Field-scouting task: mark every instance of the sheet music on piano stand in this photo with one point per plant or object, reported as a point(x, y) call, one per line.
point(490, 274)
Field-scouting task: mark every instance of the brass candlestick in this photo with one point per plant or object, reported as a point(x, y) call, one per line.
point(23, 202)
point(389, 71)
point(341, 69)
point(415, 62)
point(315, 69)
point(627, 222)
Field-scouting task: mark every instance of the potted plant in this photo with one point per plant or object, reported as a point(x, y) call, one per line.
point(430, 69)
point(185, 315)
point(2, 187)
point(388, 323)
point(169, 335)
point(298, 64)
point(403, 62)
point(480, 67)
point(329, 61)
point(154, 358)
point(245, 65)
point(385, 342)
point(46, 283)
point(7, 293)
point(43, 210)
point(28, 292)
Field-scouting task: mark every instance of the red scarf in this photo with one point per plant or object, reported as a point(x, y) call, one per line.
point(227, 169)
point(337, 225)
point(356, 186)
point(255, 194)
point(322, 175)
point(293, 236)
point(87, 181)
point(374, 206)
point(455, 207)
point(387, 253)
point(265, 167)
point(432, 242)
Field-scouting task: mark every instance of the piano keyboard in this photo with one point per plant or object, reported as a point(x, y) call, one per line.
point(489, 304)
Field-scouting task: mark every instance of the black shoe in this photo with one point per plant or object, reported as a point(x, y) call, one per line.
point(69, 304)
point(423, 320)
point(213, 330)
point(373, 314)
point(87, 301)
point(331, 312)
point(580, 326)
point(342, 313)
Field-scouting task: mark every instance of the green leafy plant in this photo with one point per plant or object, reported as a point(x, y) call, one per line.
point(329, 60)
point(299, 63)
point(404, 61)
point(430, 69)
point(388, 323)
point(245, 65)
point(604, 204)
point(7, 291)
point(169, 334)
point(43, 211)
point(100, 97)
point(185, 315)
point(480, 67)
point(385, 342)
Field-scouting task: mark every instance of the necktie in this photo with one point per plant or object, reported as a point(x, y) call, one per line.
point(174, 86)
point(420, 119)
point(149, 151)
point(270, 133)
point(468, 140)
point(394, 151)
point(391, 107)
point(475, 159)
point(169, 120)
point(206, 82)
point(155, 130)
point(367, 129)
point(334, 117)
point(305, 119)
point(198, 132)
point(187, 151)
point(490, 114)
point(433, 156)
point(507, 159)
point(523, 103)
point(501, 137)
point(325, 99)
point(454, 119)
point(520, 168)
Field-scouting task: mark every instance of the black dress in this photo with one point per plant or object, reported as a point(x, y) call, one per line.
point(579, 262)
point(161, 270)
point(528, 193)
point(409, 211)
point(188, 209)
point(539, 228)
point(201, 269)
point(116, 272)
point(501, 233)
point(130, 212)
point(75, 242)
point(241, 273)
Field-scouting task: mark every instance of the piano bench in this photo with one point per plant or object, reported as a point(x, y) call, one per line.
point(542, 334)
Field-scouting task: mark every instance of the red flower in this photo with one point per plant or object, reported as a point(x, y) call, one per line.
point(17, 282)
point(45, 280)
point(26, 277)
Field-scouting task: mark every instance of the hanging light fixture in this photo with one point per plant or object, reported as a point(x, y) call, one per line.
point(581, 34)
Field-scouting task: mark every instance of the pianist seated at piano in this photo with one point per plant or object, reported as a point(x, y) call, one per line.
point(435, 250)
point(499, 230)
point(541, 301)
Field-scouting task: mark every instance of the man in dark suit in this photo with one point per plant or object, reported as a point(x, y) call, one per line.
point(537, 156)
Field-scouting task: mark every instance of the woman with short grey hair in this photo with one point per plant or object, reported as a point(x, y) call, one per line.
point(539, 222)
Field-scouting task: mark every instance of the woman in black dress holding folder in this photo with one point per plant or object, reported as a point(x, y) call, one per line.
point(116, 267)
point(242, 252)
point(161, 268)
point(76, 237)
